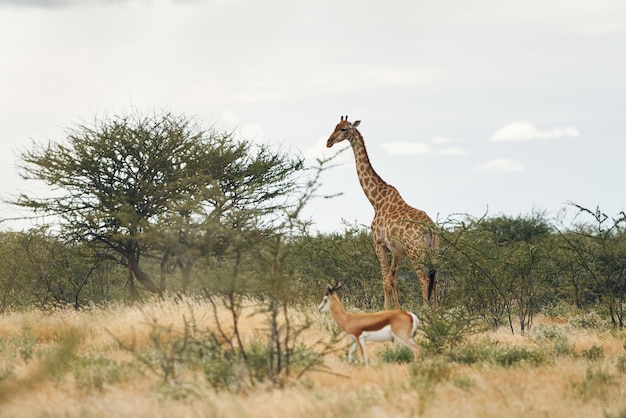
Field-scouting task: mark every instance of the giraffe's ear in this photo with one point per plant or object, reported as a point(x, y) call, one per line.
point(356, 123)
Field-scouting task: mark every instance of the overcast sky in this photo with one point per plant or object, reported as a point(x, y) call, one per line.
point(505, 106)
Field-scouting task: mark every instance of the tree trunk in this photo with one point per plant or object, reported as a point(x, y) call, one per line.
point(164, 260)
point(142, 276)
point(133, 293)
point(185, 270)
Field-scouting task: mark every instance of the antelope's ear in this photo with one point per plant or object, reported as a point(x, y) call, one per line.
point(338, 286)
point(356, 123)
point(329, 290)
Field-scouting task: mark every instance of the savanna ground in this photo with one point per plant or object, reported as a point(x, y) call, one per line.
point(108, 362)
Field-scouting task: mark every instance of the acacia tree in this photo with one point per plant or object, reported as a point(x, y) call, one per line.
point(250, 186)
point(119, 182)
point(596, 257)
point(499, 266)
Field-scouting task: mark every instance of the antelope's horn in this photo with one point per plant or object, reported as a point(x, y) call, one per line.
point(337, 286)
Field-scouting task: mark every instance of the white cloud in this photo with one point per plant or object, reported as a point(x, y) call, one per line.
point(319, 151)
point(441, 140)
point(522, 131)
point(403, 76)
point(447, 150)
point(405, 148)
point(501, 165)
point(248, 131)
point(230, 119)
point(450, 151)
point(252, 132)
point(603, 28)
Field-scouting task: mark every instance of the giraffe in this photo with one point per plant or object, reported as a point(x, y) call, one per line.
point(397, 227)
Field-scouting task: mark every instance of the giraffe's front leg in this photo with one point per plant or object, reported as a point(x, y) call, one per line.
point(381, 253)
point(393, 279)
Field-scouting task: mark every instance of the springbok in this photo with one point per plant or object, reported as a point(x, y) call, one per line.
point(370, 326)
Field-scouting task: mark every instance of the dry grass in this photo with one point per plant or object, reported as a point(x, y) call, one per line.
point(566, 386)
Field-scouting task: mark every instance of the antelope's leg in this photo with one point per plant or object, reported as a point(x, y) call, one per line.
point(361, 340)
point(351, 352)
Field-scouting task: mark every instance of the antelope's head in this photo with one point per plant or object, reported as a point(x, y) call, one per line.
point(343, 130)
point(330, 291)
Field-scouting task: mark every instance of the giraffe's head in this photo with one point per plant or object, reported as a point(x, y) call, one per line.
point(343, 130)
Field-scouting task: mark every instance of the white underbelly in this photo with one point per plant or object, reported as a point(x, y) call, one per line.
point(383, 334)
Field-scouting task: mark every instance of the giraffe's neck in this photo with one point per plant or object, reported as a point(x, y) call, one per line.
point(372, 184)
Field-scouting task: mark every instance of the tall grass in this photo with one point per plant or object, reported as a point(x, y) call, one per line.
point(164, 359)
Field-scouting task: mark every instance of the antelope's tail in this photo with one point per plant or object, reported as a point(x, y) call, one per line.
point(416, 322)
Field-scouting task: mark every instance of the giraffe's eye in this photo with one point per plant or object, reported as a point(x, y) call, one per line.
point(344, 129)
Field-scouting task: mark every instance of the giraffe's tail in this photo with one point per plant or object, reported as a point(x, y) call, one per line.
point(431, 283)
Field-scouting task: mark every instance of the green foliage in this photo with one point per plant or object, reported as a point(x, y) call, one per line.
point(499, 267)
point(430, 372)
point(133, 184)
point(347, 257)
point(222, 361)
point(509, 356)
point(472, 353)
point(519, 229)
point(593, 353)
point(560, 310)
point(397, 353)
point(166, 197)
point(553, 340)
point(621, 364)
point(94, 372)
point(504, 356)
point(588, 320)
point(48, 271)
point(444, 330)
point(26, 342)
point(620, 414)
point(424, 376)
point(594, 254)
point(595, 385)
point(54, 361)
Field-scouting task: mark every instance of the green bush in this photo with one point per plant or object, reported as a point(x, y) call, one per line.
point(472, 353)
point(95, 371)
point(446, 329)
point(505, 356)
point(425, 375)
point(553, 339)
point(509, 356)
point(594, 353)
point(621, 364)
point(430, 372)
point(595, 384)
point(589, 320)
point(396, 353)
point(26, 342)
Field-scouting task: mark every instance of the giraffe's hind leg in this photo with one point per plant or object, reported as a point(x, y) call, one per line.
point(428, 283)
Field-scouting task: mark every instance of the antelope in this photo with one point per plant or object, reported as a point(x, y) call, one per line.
point(381, 326)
